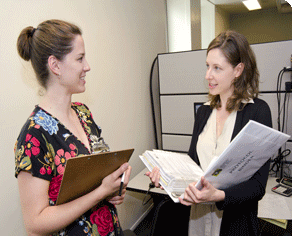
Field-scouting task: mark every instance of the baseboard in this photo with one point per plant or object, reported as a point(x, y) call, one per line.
point(134, 226)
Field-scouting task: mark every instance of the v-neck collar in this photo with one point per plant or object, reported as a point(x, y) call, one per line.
point(80, 120)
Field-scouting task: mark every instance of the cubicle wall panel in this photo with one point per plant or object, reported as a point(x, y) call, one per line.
point(271, 99)
point(182, 83)
point(177, 116)
point(176, 143)
point(177, 113)
point(182, 72)
point(271, 59)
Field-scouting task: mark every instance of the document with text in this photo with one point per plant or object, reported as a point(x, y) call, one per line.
point(248, 151)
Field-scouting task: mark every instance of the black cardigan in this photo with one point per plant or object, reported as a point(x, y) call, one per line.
point(241, 201)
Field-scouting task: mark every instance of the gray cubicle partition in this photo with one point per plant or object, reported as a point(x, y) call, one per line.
point(182, 84)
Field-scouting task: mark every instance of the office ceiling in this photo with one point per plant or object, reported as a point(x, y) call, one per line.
point(236, 6)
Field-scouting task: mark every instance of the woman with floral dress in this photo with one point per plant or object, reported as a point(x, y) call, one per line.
point(56, 131)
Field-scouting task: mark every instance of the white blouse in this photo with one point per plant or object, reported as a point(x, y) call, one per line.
point(205, 219)
point(208, 145)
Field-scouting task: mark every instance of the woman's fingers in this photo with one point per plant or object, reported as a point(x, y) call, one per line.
point(116, 174)
point(116, 200)
point(154, 176)
point(112, 182)
point(127, 175)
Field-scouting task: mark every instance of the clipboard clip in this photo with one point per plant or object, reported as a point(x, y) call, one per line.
point(98, 144)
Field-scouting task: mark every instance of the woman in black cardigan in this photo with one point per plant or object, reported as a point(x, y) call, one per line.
point(233, 90)
point(240, 205)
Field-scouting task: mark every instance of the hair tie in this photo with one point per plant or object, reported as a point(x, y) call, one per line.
point(32, 32)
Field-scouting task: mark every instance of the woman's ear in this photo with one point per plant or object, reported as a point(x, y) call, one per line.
point(53, 64)
point(239, 69)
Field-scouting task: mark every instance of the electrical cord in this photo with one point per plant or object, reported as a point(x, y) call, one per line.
point(279, 82)
point(282, 108)
point(151, 185)
point(285, 115)
point(277, 161)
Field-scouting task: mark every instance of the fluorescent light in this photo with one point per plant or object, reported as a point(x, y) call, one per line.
point(290, 2)
point(252, 4)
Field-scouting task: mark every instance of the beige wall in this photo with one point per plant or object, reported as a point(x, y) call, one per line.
point(258, 26)
point(263, 25)
point(221, 20)
point(196, 24)
point(122, 38)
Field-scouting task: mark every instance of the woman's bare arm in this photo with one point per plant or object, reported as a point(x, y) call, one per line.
point(42, 219)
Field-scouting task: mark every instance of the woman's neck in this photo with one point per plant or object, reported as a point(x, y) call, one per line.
point(223, 102)
point(57, 103)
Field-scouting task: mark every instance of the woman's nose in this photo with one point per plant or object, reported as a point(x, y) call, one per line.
point(208, 74)
point(86, 67)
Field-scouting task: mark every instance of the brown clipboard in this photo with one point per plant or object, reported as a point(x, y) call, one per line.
point(85, 173)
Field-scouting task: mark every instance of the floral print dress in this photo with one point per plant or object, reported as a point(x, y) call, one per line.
point(43, 147)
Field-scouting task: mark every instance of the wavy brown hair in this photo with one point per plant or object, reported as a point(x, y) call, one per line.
point(52, 37)
point(236, 49)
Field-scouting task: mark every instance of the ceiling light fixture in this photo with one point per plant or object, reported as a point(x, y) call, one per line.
point(252, 4)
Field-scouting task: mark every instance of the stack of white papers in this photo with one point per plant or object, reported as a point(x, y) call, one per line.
point(248, 151)
point(177, 170)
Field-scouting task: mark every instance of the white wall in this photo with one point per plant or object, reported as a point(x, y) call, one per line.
point(207, 23)
point(122, 38)
point(179, 25)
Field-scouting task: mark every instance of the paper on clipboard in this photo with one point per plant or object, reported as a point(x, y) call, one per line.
point(85, 173)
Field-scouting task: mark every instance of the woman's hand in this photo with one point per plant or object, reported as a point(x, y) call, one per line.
point(154, 177)
point(111, 184)
point(115, 199)
point(207, 194)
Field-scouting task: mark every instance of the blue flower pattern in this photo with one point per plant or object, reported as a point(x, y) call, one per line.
point(47, 122)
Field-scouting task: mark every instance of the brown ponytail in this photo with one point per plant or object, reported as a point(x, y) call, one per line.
point(24, 43)
point(52, 37)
